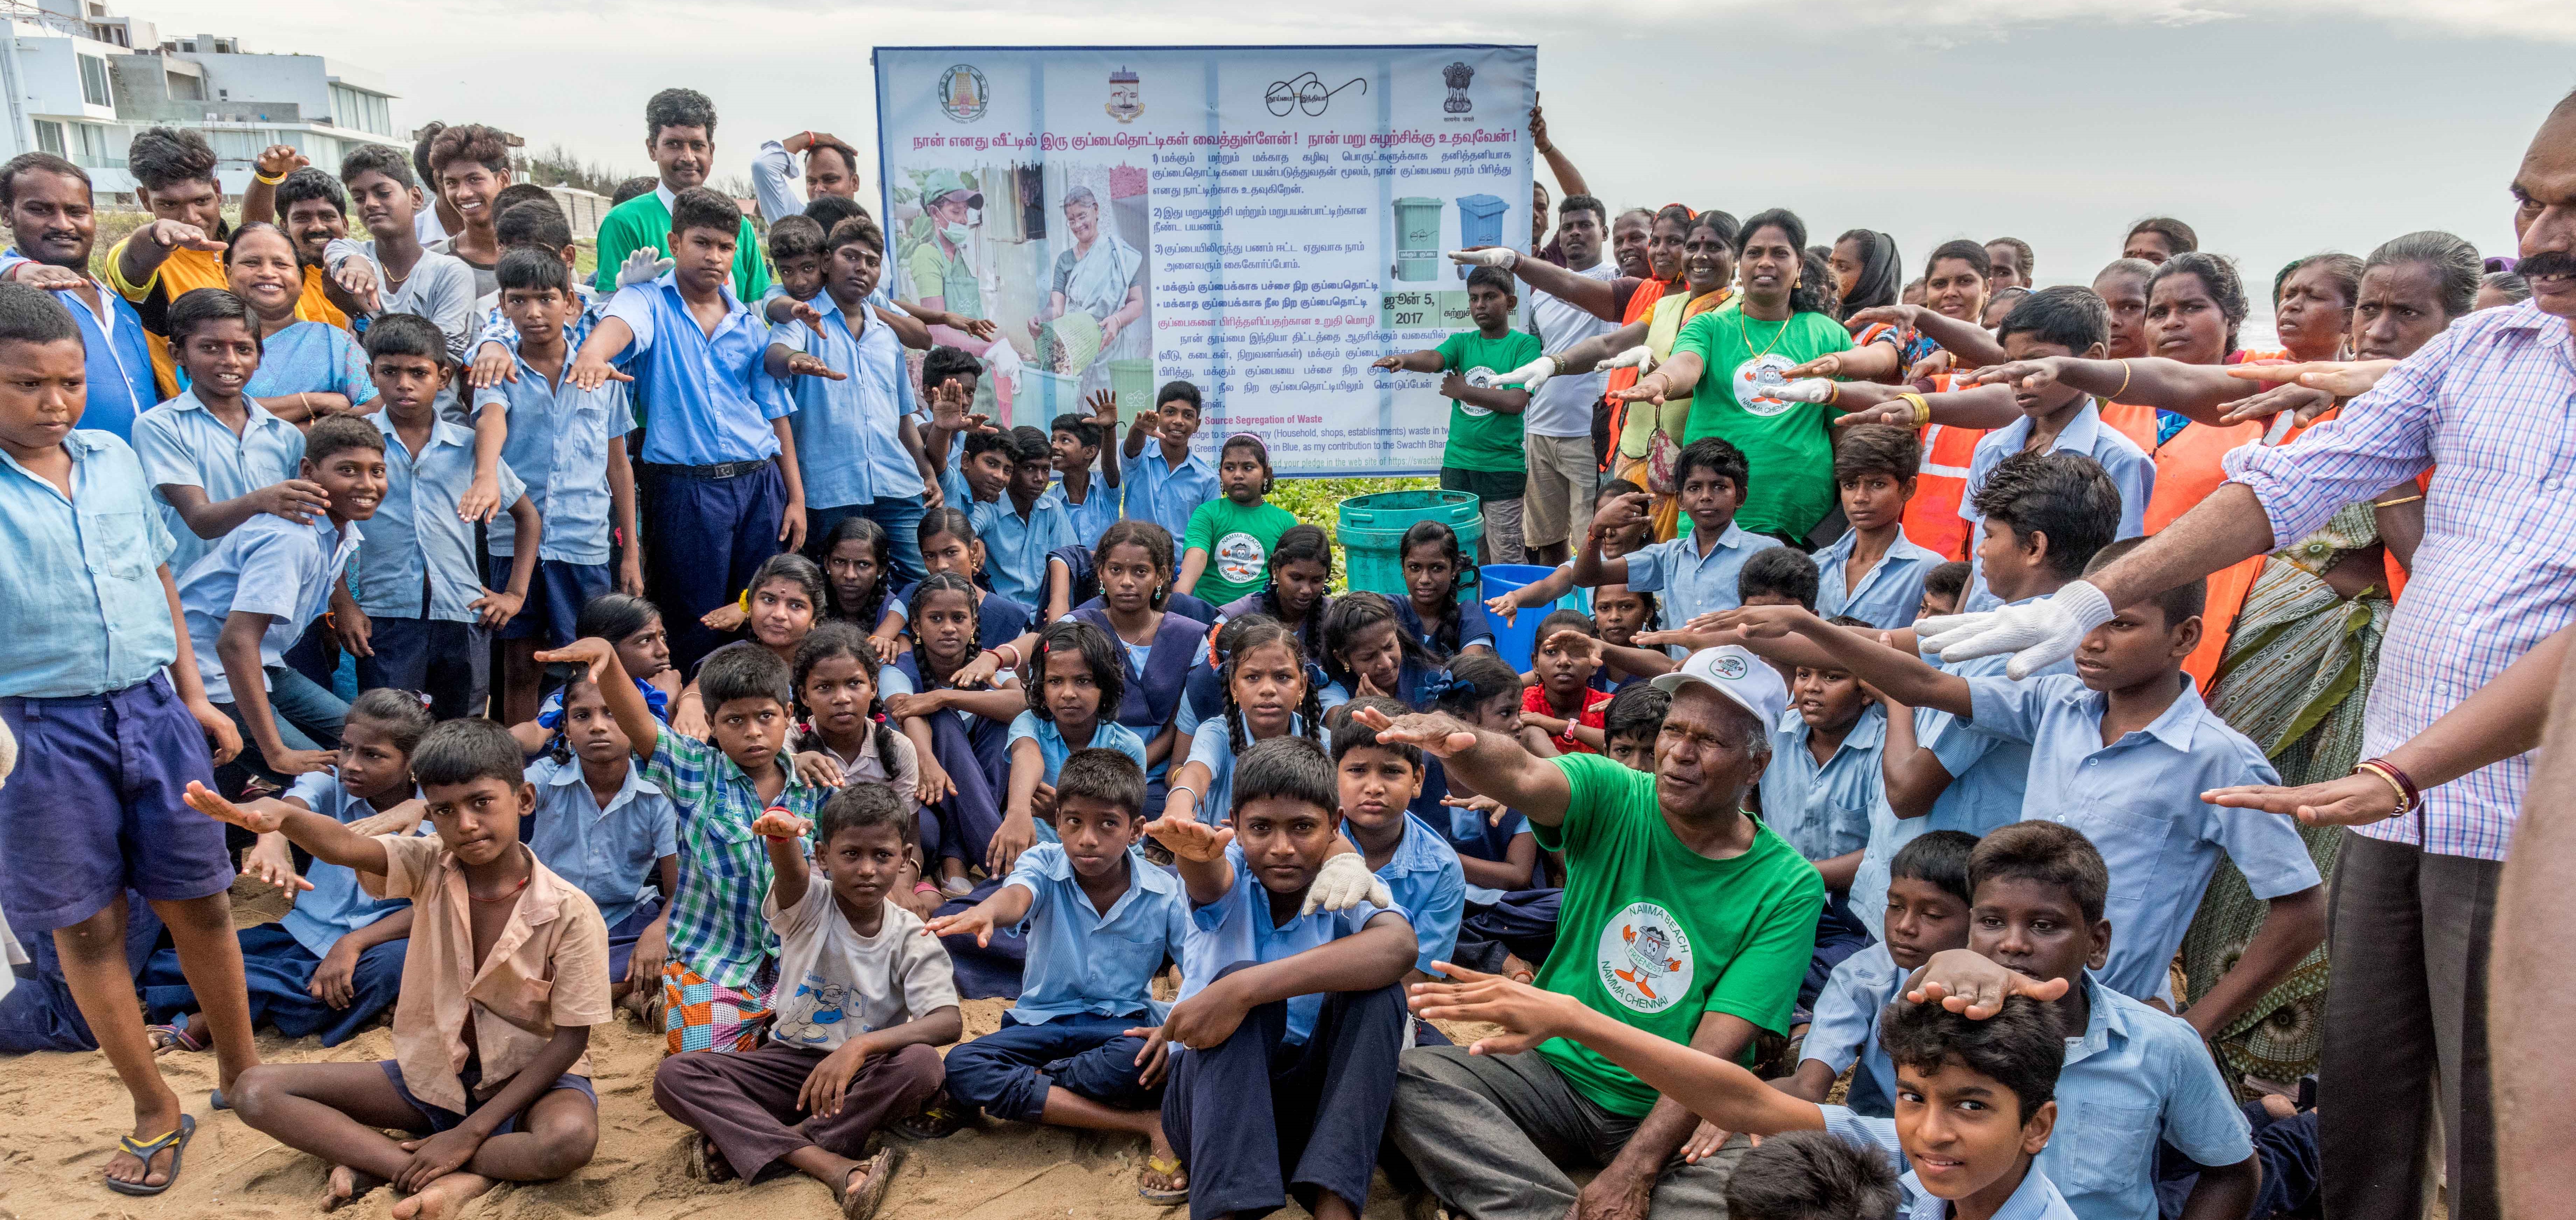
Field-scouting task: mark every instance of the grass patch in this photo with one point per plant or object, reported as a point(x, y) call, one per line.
point(1319, 501)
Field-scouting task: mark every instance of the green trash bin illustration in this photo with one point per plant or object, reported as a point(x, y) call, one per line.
point(1480, 223)
point(1417, 239)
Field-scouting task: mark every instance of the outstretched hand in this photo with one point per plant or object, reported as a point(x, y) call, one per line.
point(259, 818)
point(2341, 378)
point(1973, 985)
point(1528, 1015)
point(1435, 733)
point(2038, 634)
point(1191, 839)
point(2352, 800)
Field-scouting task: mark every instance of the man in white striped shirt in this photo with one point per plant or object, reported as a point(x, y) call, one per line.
point(2490, 407)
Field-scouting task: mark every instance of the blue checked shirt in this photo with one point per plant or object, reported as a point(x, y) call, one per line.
point(1888, 594)
point(2490, 405)
point(182, 443)
point(716, 926)
point(419, 558)
point(849, 447)
point(1158, 492)
point(1015, 547)
point(80, 581)
point(1084, 962)
point(707, 398)
point(559, 446)
point(2131, 470)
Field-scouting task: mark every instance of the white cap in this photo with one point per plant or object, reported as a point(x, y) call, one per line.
point(1737, 674)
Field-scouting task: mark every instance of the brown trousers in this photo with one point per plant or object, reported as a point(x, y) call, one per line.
point(746, 1102)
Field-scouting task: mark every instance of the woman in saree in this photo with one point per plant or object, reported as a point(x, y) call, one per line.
point(306, 369)
point(1099, 279)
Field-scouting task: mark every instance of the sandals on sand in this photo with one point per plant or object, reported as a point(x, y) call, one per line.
point(938, 1118)
point(1177, 1181)
point(862, 1203)
point(166, 1038)
point(706, 1164)
point(175, 1143)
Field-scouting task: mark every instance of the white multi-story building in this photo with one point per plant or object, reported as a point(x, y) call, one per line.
point(80, 82)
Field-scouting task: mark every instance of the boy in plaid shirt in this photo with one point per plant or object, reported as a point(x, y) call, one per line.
point(724, 958)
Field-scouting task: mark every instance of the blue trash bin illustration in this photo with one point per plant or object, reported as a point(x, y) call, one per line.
point(1480, 222)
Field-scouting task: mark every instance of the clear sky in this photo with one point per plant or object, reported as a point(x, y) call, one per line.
point(2275, 127)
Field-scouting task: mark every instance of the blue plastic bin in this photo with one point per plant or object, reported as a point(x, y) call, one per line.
point(1480, 222)
point(1515, 641)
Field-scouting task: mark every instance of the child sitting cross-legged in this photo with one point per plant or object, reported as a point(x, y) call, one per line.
point(865, 997)
point(1100, 923)
point(1378, 780)
point(506, 974)
point(1927, 912)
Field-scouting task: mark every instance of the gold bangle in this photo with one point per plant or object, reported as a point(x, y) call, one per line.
point(1922, 409)
point(2124, 381)
point(1833, 393)
point(2396, 789)
point(2394, 503)
point(265, 180)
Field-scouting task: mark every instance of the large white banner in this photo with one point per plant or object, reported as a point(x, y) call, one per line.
point(1263, 221)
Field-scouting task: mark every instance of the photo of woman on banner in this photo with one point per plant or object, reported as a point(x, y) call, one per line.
point(1096, 285)
point(942, 274)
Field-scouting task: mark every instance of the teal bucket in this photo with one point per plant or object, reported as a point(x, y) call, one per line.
point(1516, 640)
point(1371, 526)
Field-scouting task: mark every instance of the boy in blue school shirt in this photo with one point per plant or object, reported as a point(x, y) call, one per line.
point(1290, 1016)
point(97, 677)
point(250, 600)
point(413, 623)
point(53, 224)
point(1168, 484)
point(1927, 913)
point(2138, 797)
point(1028, 520)
point(1874, 573)
point(1080, 442)
point(1378, 780)
point(1697, 572)
point(609, 832)
point(1100, 923)
point(948, 380)
point(215, 456)
point(722, 491)
point(1817, 793)
point(568, 446)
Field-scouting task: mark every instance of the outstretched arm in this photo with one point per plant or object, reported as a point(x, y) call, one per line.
point(1903, 678)
point(1490, 763)
point(328, 840)
point(626, 704)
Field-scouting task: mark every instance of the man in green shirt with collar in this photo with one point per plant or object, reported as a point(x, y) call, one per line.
point(680, 133)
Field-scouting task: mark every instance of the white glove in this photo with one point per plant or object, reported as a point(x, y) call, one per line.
point(1529, 376)
point(1345, 882)
point(1499, 256)
point(643, 266)
point(1804, 389)
point(1640, 357)
point(2038, 634)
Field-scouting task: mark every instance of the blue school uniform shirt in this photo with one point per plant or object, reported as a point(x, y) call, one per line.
point(1052, 750)
point(2131, 470)
point(1888, 594)
point(1166, 495)
point(998, 619)
point(1237, 928)
point(1214, 748)
point(1098, 510)
point(1692, 583)
point(1845, 1027)
point(2138, 800)
point(336, 905)
point(607, 853)
point(182, 443)
point(2036, 1198)
point(849, 443)
point(558, 446)
point(1473, 626)
point(2135, 1078)
point(707, 398)
point(417, 541)
point(1823, 811)
point(267, 565)
point(80, 582)
point(117, 355)
point(1016, 546)
point(1083, 962)
point(1430, 890)
point(1470, 832)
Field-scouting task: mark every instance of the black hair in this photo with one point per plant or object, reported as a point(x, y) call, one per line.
point(830, 640)
point(485, 146)
point(233, 241)
point(1474, 678)
point(1302, 543)
point(1310, 709)
point(830, 210)
point(1811, 1175)
point(163, 157)
point(2341, 268)
point(952, 521)
point(1107, 776)
point(1722, 459)
point(611, 616)
point(794, 237)
point(2021, 1047)
point(1080, 427)
point(1179, 391)
point(1939, 857)
point(701, 208)
point(2065, 496)
point(744, 673)
point(794, 568)
point(422, 138)
point(1444, 633)
point(1149, 537)
point(1100, 654)
point(33, 315)
point(2069, 316)
point(1349, 734)
point(949, 582)
point(1717, 221)
point(199, 308)
point(979, 443)
point(48, 163)
point(1636, 712)
point(1816, 267)
point(2176, 234)
point(864, 807)
point(1969, 252)
point(1566, 620)
point(1948, 578)
point(1492, 277)
point(1881, 276)
point(1584, 203)
point(399, 713)
point(532, 269)
point(678, 108)
point(533, 222)
point(873, 536)
point(1648, 602)
point(1260, 453)
point(1027, 444)
point(378, 159)
point(1358, 611)
point(393, 334)
point(1286, 768)
point(1810, 294)
point(517, 193)
point(2182, 601)
point(641, 184)
point(335, 434)
point(1231, 632)
point(858, 230)
point(2452, 259)
point(1613, 488)
point(1781, 571)
point(2028, 257)
point(465, 750)
point(2049, 853)
point(2217, 274)
point(945, 362)
point(1887, 449)
point(311, 182)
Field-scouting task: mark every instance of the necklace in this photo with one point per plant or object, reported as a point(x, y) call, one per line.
point(471, 896)
point(1775, 336)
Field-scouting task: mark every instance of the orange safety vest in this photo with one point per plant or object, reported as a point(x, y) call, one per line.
point(1932, 516)
point(2188, 471)
point(2134, 420)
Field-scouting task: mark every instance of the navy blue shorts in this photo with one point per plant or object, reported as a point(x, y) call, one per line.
point(556, 595)
point(439, 1118)
point(95, 807)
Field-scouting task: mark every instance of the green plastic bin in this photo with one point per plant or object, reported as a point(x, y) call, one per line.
point(1370, 527)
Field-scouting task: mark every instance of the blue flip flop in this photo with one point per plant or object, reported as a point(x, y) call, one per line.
point(215, 1100)
point(176, 1142)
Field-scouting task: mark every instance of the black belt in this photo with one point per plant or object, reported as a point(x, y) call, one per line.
point(721, 470)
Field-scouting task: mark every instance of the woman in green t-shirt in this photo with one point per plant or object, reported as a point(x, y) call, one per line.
point(1731, 359)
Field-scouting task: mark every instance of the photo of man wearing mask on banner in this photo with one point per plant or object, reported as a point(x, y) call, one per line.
point(1096, 285)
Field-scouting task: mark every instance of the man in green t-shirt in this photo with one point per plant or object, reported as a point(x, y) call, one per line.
point(680, 133)
point(1484, 454)
point(1682, 916)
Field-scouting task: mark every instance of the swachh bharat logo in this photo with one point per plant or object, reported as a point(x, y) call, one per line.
point(963, 93)
point(1645, 958)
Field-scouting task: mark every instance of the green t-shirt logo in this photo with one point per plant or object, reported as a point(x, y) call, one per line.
point(1757, 379)
point(1645, 958)
point(1241, 558)
point(1481, 378)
